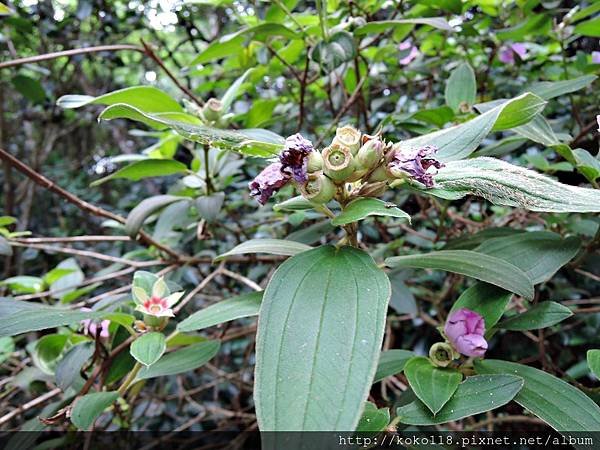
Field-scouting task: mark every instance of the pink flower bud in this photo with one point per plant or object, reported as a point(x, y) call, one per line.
point(93, 329)
point(465, 330)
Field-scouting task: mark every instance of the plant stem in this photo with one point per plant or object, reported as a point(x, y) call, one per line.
point(130, 379)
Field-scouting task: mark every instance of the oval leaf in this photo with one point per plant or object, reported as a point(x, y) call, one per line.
point(391, 362)
point(593, 360)
point(542, 315)
point(477, 265)
point(373, 419)
point(486, 299)
point(145, 169)
point(319, 333)
point(363, 207)
point(145, 208)
point(146, 98)
point(270, 246)
point(148, 348)
point(89, 407)
point(461, 87)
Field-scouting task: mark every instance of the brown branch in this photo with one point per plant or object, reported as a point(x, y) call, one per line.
point(68, 239)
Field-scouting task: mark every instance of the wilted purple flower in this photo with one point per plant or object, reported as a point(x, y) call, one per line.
point(269, 181)
point(412, 54)
point(294, 157)
point(90, 327)
point(507, 53)
point(418, 163)
point(465, 330)
point(595, 57)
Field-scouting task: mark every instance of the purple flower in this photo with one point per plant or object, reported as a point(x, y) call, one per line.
point(412, 54)
point(465, 330)
point(595, 57)
point(294, 157)
point(507, 53)
point(417, 163)
point(91, 327)
point(269, 181)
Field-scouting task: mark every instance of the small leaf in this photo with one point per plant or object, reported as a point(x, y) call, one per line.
point(144, 169)
point(338, 49)
point(593, 360)
point(179, 361)
point(384, 25)
point(89, 407)
point(391, 362)
point(586, 164)
point(270, 246)
point(552, 89)
point(24, 284)
point(461, 87)
point(69, 367)
point(234, 90)
point(373, 419)
point(209, 206)
point(485, 299)
point(5, 248)
point(148, 206)
point(363, 207)
point(234, 308)
point(148, 348)
point(30, 88)
point(297, 203)
point(5, 10)
point(477, 265)
point(542, 315)
point(506, 184)
point(556, 402)
point(145, 98)
point(473, 396)
point(434, 386)
point(589, 27)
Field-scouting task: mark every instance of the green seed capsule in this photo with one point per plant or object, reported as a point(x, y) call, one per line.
point(349, 137)
point(338, 163)
point(318, 189)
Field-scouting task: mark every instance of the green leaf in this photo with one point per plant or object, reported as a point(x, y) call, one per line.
point(7, 347)
point(542, 315)
point(47, 350)
point(473, 396)
point(5, 248)
point(505, 184)
point(384, 25)
point(269, 246)
point(180, 361)
point(65, 285)
point(255, 142)
point(234, 90)
point(472, 264)
point(145, 98)
point(364, 207)
point(148, 206)
point(144, 169)
point(320, 329)
point(552, 89)
point(148, 348)
point(24, 284)
point(460, 141)
point(234, 308)
point(538, 253)
point(209, 206)
point(144, 280)
point(589, 27)
point(30, 88)
point(339, 48)
point(586, 12)
point(297, 203)
point(5, 10)
point(556, 402)
point(586, 164)
point(391, 362)
point(69, 367)
point(461, 87)
point(486, 299)
point(373, 419)
point(593, 360)
point(89, 407)
point(434, 386)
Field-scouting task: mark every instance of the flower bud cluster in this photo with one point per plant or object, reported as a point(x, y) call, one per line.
point(351, 157)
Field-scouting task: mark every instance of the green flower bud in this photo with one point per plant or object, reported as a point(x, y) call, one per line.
point(212, 110)
point(349, 137)
point(379, 174)
point(315, 162)
point(441, 354)
point(338, 162)
point(370, 154)
point(319, 188)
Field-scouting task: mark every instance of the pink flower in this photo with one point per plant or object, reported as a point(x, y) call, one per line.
point(465, 330)
point(294, 157)
point(508, 52)
point(159, 304)
point(595, 57)
point(419, 164)
point(412, 54)
point(90, 327)
point(269, 181)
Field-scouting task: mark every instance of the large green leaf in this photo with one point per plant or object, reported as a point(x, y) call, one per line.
point(373, 419)
point(551, 89)
point(589, 27)
point(473, 264)
point(391, 362)
point(145, 169)
point(179, 361)
point(542, 315)
point(461, 87)
point(320, 330)
point(506, 184)
point(256, 142)
point(270, 246)
point(89, 407)
point(475, 395)
point(593, 360)
point(364, 207)
point(234, 308)
point(384, 25)
point(145, 98)
point(69, 367)
point(144, 209)
point(556, 402)
point(434, 386)
point(460, 141)
point(148, 348)
point(486, 299)
point(538, 253)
